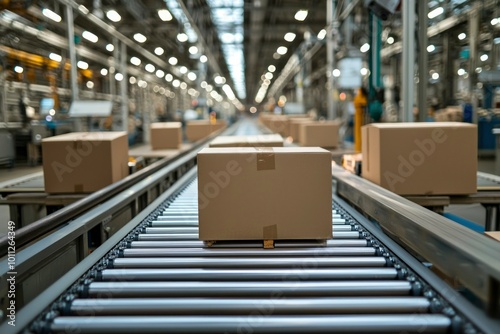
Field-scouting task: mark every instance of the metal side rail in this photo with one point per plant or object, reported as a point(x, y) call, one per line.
point(173, 283)
point(465, 256)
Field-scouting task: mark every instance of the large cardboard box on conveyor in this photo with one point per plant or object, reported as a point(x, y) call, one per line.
point(273, 140)
point(264, 193)
point(199, 129)
point(438, 158)
point(322, 134)
point(84, 162)
point(166, 135)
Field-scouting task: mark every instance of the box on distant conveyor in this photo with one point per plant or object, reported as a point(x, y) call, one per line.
point(279, 124)
point(295, 124)
point(322, 134)
point(84, 162)
point(199, 129)
point(421, 158)
point(273, 140)
point(264, 193)
point(166, 135)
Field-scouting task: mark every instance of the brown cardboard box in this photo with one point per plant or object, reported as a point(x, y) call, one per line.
point(279, 124)
point(493, 234)
point(438, 158)
point(274, 140)
point(199, 129)
point(323, 134)
point(295, 127)
point(261, 194)
point(83, 162)
point(166, 135)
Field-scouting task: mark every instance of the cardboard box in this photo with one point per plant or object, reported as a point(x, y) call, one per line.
point(323, 134)
point(274, 140)
point(493, 234)
point(438, 158)
point(279, 124)
point(199, 129)
point(84, 162)
point(295, 127)
point(166, 135)
point(264, 193)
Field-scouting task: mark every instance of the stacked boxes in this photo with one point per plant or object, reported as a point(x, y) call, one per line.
point(166, 135)
point(84, 162)
point(421, 158)
point(264, 193)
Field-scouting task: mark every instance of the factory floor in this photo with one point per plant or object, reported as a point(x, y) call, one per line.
point(472, 212)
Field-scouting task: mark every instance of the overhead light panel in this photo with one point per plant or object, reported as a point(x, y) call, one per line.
point(282, 50)
point(118, 77)
point(435, 76)
point(140, 38)
point(51, 15)
point(193, 50)
point(83, 65)
point(90, 36)
point(192, 76)
point(494, 21)
point(113, 15)
point(104, 72)
point(160, 74)
point(183, 69)
point(169, 77)
point(484, 57)
point(301, 15)
point(183, 85)
point(165, 15)
point(322, 34)
point(462, 36)
point(268, 75)
point(159, 51)
point(203, 59)
point(135, 61)
point(182, 37)
point(336, 73)
point(290, 36)
point(18, 69)
point(172, 61)
point(110, 47)
point(271, 68)
point(176, 83)
point(390, 40)
point(435, 12)
point(431, 48)
point(55, 57)
point(364, 48)
point(150, 68)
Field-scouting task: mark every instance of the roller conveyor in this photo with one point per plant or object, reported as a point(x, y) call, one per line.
point(163, 279)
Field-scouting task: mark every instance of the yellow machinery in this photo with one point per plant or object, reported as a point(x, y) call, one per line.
point(360, 103)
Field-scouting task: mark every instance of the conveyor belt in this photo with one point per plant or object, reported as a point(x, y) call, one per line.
point(162, 279)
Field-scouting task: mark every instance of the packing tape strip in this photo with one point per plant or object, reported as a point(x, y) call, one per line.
point(265, 158)
point(270, 232)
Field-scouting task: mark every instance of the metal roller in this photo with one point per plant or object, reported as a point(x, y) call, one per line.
point(158, 237)
point(219, 245)
point(244, 306)
point(188, 230)
point(248, 289)
point(174, 223)
point(255, 262)
point(257, 323)
point(294, 275)
point(235, 252)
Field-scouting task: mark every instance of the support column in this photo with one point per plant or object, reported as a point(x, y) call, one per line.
point(124, 86)
point(330, 12)
point(408, 12)
point(422, 60)
point(473, 57)
point(72, 53)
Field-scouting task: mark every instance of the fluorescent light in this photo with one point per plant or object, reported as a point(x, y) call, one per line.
point(160, 74)
point(193, 50)
point(462, 36)
point(18, 69)
point(271, 68)
point(159, 51)
point(192, 76)
point(169, 77)
point(183, 69)
point(135, 61)
point(150, 68)
point(203, 59)
point(435, 12)
point(363, 71)
point(336, 73)
point(165, 15)
point(484, 57)
point(301, 15)
point(494, 21)
point(55, 57)
point(219, 80)
point(364, 48)
point(172, 61)
point(203, 84)
point(268, 75)
point(183, 85)
point(83, 65)
point(90, 84)
point(431, 48)
point(176, 83)
point(182, 37)
point(290, 36)
point(390, 40)
point(435, 76)
point(90, 36)
point(140, 38)
point(104, 72)
point(119, 77)
point(322, 34)
point(51, 15)
point(110, 47)
point(132, 80)
point(461, 71)
point(113, 16)
point(282, 50)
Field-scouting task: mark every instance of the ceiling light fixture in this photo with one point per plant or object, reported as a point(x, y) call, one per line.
point(301, 15)
point(435, 12)
point(165, 15)
point(282, 50)
point(113, 16)
point(110, 47)
point(172, 61)
point(140, 38)
point(51, 15)
point(322, 34)
point(135, 61)
point(90, 36)
point(182, 37)
point(55, 57)
point(290, 36)
point(159, 51)
point(203, 59)
point(271, 68)
point(150, 68)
